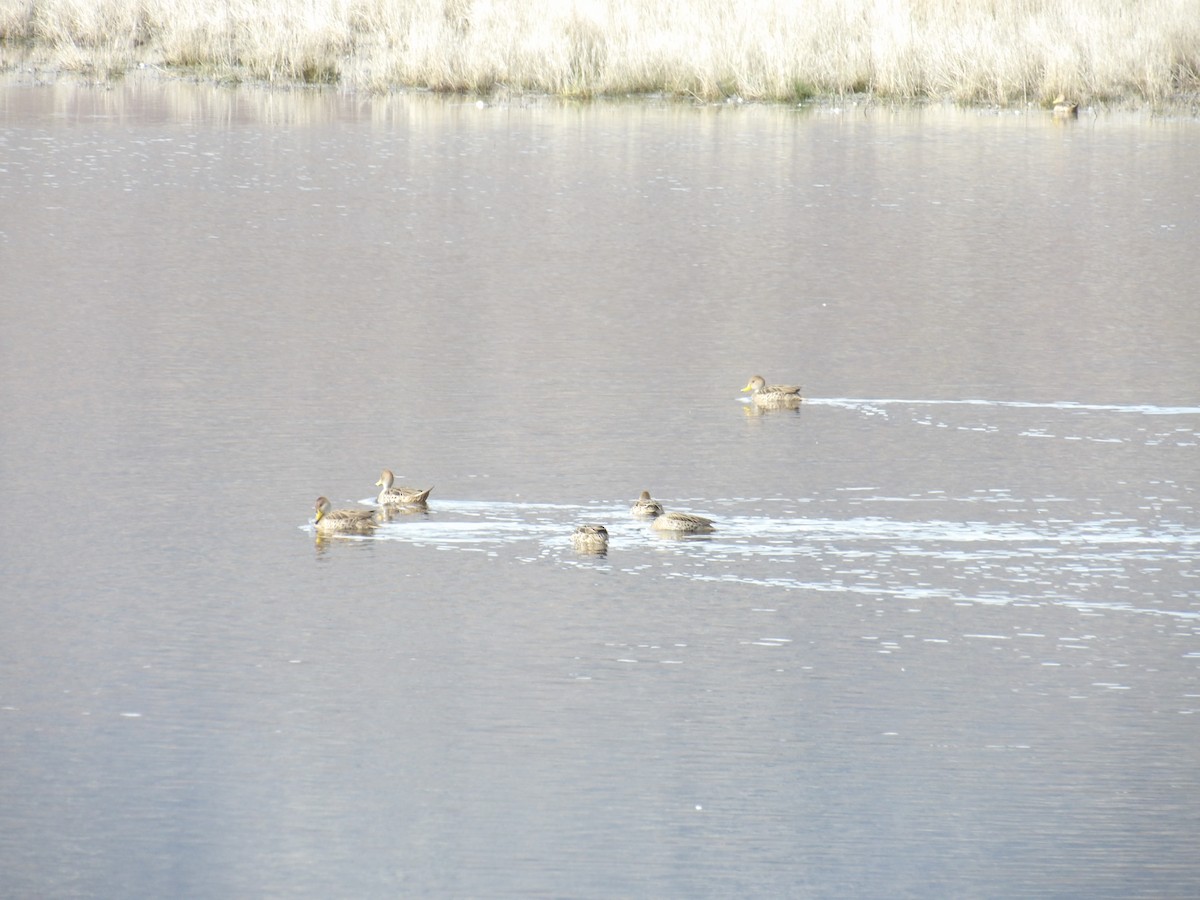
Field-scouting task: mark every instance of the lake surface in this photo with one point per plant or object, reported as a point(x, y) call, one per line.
point(945, 641)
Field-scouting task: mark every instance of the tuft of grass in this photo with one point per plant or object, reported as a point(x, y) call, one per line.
point(800, 91)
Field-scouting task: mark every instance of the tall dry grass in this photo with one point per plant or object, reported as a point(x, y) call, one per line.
point(989, 51)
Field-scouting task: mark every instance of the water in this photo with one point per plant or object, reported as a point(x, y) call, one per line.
point(944, 642)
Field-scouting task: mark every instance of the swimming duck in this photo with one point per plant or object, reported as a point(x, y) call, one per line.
point(590, 538)
point(359, 520)
point(400, 493)
point(646, 508)
point(1064, 108)
point(682, 523)
point(764, 394)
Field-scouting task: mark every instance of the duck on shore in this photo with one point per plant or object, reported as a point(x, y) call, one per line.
point(1064, 108)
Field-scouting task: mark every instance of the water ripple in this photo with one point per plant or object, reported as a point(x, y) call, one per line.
point(1103, 565)
point(1144, 409)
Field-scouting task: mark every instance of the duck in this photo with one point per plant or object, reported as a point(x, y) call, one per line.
point(646, 508)
point(764, 394)
point(590, 539)
point(357, 520)
point(682, 523)
point(400, 493)
point(1064, 108)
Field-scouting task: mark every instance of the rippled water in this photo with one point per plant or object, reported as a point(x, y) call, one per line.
point(985, 546)
point(944, 640)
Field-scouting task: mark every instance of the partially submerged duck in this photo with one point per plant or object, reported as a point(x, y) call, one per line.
point(764, 394)
point(645, 508)
point(399, 493)
point(347, 520)
point(590, 538)
point(682, 523)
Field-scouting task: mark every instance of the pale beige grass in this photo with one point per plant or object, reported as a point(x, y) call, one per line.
point(970, 50)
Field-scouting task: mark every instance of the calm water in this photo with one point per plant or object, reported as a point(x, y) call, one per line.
point(944, 642)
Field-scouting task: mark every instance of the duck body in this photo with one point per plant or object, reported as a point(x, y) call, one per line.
point(328, 520)
point(682, 523)
point(394, 494)
point(590, 538)
point(763, 394)
point(645, 507)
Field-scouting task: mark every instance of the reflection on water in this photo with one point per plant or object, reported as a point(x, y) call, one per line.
point(960, 631)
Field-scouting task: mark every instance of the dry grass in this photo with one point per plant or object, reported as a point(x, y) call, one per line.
point(984, 51)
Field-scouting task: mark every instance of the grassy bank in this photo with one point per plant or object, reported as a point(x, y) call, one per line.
point(980, 51)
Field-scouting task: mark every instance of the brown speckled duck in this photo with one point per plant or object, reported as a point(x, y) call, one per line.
point(646, 508)
point(344, 520)
point(763, 394)
point(399, 493)
point(682, 523)
point(1064, 108)
point(590, 539)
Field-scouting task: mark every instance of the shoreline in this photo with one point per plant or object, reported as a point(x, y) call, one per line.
point(1182, 107)
point(973, 53)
